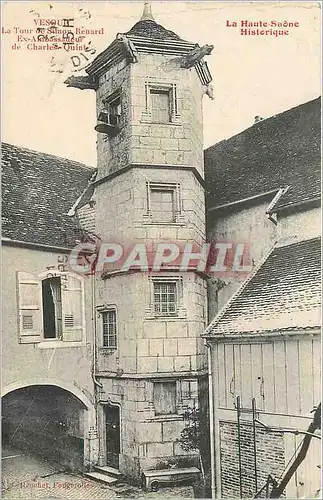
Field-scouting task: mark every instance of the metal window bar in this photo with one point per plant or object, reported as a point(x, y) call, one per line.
point(165, 298)
point(109, 329)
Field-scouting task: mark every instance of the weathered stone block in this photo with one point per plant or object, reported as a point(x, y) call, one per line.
point(186, 347)
point(159, 156)
point(159, 450)
point(147, 365)
point(154, 329)
point(172, 430)
point(161, 131)
point(165, 364)
point(152, 142)
point(176, 329)
point(182, 364)
point(175, 157)
point(170, 347)
point(149, 432)
point(169, 144)
point(143, 347)
point(156, 347)
point(128, 364)
point(184, 144)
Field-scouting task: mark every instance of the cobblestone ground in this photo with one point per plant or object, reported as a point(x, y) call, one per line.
point(24, 476)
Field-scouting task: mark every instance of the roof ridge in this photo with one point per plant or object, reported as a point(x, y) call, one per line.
point(238, 292)
point(262, 121)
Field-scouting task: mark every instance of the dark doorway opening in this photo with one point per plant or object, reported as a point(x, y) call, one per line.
point(112, 434)
point(45, 421)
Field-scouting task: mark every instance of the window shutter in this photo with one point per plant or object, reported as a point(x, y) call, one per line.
point(72, 305)
point(30, 308)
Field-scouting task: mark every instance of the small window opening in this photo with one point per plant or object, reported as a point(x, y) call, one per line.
point(160, 106)
point(52, 308)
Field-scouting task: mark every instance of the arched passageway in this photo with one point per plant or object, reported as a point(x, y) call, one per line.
point(45, 420)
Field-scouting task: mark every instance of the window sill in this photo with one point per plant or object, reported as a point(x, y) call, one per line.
point(53, 344)
point(164, 224)
point(167, 418)
point(154, 317)
point(177, 123)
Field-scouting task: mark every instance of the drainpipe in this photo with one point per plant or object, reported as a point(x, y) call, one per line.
point(96, 382)
point(211, 406)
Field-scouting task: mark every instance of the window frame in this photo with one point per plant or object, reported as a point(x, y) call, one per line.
point(161, 87)
point(175, 187)
point(101, 309)
point(159, 293)
point(180, 312)
point(155, 382)
point(102, 313)
point(42, 342)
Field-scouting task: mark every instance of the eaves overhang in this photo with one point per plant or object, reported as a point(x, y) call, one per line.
point(127, 46)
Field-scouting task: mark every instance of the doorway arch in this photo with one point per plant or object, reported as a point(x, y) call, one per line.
point(51, 416)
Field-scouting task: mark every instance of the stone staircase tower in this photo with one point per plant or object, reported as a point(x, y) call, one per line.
point(151, 361)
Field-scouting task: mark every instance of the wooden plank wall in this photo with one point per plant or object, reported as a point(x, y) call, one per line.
point(283, 376)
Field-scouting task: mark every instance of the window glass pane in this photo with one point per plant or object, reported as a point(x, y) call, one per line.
point(165, 398)
point(109, 329)
point(165, 298)
point(52, 307)
point(160, 106)
point(162, 205)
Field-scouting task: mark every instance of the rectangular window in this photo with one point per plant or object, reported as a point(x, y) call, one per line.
point(162, 205)
point(165, 298)
point(52, 308)
point(109, 323)
point(160, 106)
point(165, 398)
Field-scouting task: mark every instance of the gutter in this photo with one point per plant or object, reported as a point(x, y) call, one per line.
point(211, 424)
point(257, 336)
point(36, 246)
point(244, 200)
point(96, 382)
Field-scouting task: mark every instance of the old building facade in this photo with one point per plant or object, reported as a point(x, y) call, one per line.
point(149, 188)
point(106, 363)
point(134, 337)
point(264, 341)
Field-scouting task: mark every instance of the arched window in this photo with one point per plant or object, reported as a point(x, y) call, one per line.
point(50, 307)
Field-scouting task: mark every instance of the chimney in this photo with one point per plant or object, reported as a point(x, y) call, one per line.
point(258, 119)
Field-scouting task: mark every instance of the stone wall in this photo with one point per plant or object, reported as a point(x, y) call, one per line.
point(173, 144)
point(148, 344)
point(149, 440)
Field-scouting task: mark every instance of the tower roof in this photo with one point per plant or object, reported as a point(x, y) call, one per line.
point(147, 27)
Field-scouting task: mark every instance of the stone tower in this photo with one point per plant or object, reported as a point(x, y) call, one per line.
point(151, 360)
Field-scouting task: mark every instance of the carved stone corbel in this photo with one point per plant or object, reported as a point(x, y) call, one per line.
point(196, 55)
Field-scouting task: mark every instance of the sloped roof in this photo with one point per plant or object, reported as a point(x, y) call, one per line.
point(38, 190)
point(150, 29)
point(284, 150)
point(283, 294)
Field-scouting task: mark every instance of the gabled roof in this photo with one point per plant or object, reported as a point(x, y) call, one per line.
point(38, 190)
point(284, 150)
point(282, 295)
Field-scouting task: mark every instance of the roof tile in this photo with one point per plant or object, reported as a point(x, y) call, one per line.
point(38, 191)
point(283, 294)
